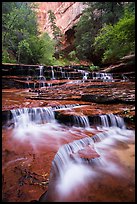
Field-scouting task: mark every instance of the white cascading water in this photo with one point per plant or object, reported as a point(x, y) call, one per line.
point(72, 173)
point(85, 76)
point(67, 106)
point(68, 75)
point(62, 73)
point(28, 79)
point(25, 116)
point(106, 77)
point(81, 121)
point(41, 77)
point(41, 70)
point(39, 127)
point(112, 120)
point(52, 71)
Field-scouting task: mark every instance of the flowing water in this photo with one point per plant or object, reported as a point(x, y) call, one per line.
point(89, 159)
point(106, 77)
point(38, 128)
point(41, 77)
point(62, 73)
point(75, 171)
point(52, 71)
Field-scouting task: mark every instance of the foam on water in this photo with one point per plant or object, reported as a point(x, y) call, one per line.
point(39, 127)
point(79, 172)
point(37, 135)
point(110, 120)
point(73, 176)
point(81, 120)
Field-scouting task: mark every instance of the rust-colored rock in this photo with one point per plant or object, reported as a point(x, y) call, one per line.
point(87, 153)
point(66, 13)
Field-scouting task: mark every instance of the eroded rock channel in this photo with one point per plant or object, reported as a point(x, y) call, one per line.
point(67, 130)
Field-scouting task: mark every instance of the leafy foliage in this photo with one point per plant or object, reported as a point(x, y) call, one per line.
point(57, 35)
point(117, 40)
point(7, 57)
point(47, 49)
point(19, 22)
point(105, 33)
point(21, 41)
point(104, 16)
point(107, 12)
point(93, 68)
point(86, 30)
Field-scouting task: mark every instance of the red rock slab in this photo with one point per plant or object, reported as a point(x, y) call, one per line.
point(87, 153)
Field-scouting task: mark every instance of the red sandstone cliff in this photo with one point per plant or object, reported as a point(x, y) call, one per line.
point(67, 14)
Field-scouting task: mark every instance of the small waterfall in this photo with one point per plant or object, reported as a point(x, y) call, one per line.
point(105, 77)
point(28, 79)
point(25, 116)
point(41, 78)
point(62, 73)
point(34, 86)
point(125, 78)
point(81, 121)
point(70, 170)
point(68, 75)
point(112, 120)
point(65, 106)
point(62, 158)
point(109, 120)
point(40, 115)
point(93, 75)
point(42, 81)
point(97, 75)
point(52, 71)
point(41, 70)
point(49, 84)
point(85, 76)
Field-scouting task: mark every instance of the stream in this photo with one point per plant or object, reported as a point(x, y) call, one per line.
point(57, 147)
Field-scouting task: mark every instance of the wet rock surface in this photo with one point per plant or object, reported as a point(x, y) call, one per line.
point(87, 153)
point(118, 92)
point(26, 170)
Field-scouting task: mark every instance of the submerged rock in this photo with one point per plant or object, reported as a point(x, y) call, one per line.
point(87, 153)
point(98, 98)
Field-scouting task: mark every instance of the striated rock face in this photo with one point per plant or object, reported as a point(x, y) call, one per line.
point(42, 12)
point(67, 14)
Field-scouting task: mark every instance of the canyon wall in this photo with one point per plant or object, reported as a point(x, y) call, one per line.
point(67, 14)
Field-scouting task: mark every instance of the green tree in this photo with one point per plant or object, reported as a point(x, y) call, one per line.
point(37, 50)
point(84, 37)
point(18, 24)
point(21, 41)
point(107, 12)
point(57, 35)
point(117, 40)
point(23, 51)
point(47, 49)
point(92, 20)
